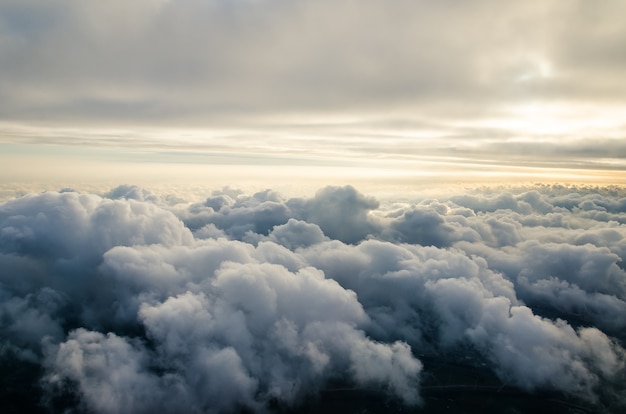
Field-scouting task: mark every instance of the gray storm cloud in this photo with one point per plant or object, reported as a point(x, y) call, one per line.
point(130, 303)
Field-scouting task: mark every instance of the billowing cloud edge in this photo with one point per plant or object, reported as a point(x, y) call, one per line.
point(129, 302)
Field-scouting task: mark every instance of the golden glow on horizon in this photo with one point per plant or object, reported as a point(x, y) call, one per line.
point(344, 150)
point(420, 173)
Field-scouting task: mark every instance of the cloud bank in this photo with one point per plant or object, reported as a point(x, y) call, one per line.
point(132, 302)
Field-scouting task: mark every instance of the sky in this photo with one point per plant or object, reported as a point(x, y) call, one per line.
point(292, 206)
point(317, 92)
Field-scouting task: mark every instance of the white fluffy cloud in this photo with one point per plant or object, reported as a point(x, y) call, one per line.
point(254, 302)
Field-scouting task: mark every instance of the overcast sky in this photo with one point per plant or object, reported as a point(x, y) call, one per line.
point(418, 87)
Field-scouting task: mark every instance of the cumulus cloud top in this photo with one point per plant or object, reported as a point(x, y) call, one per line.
point(131, 303)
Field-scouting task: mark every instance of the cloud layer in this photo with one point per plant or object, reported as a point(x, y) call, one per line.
point(450, 86)
point(135, 303)
point(180, 58)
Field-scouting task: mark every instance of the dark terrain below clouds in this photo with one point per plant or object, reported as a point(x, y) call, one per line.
point(132, 302)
